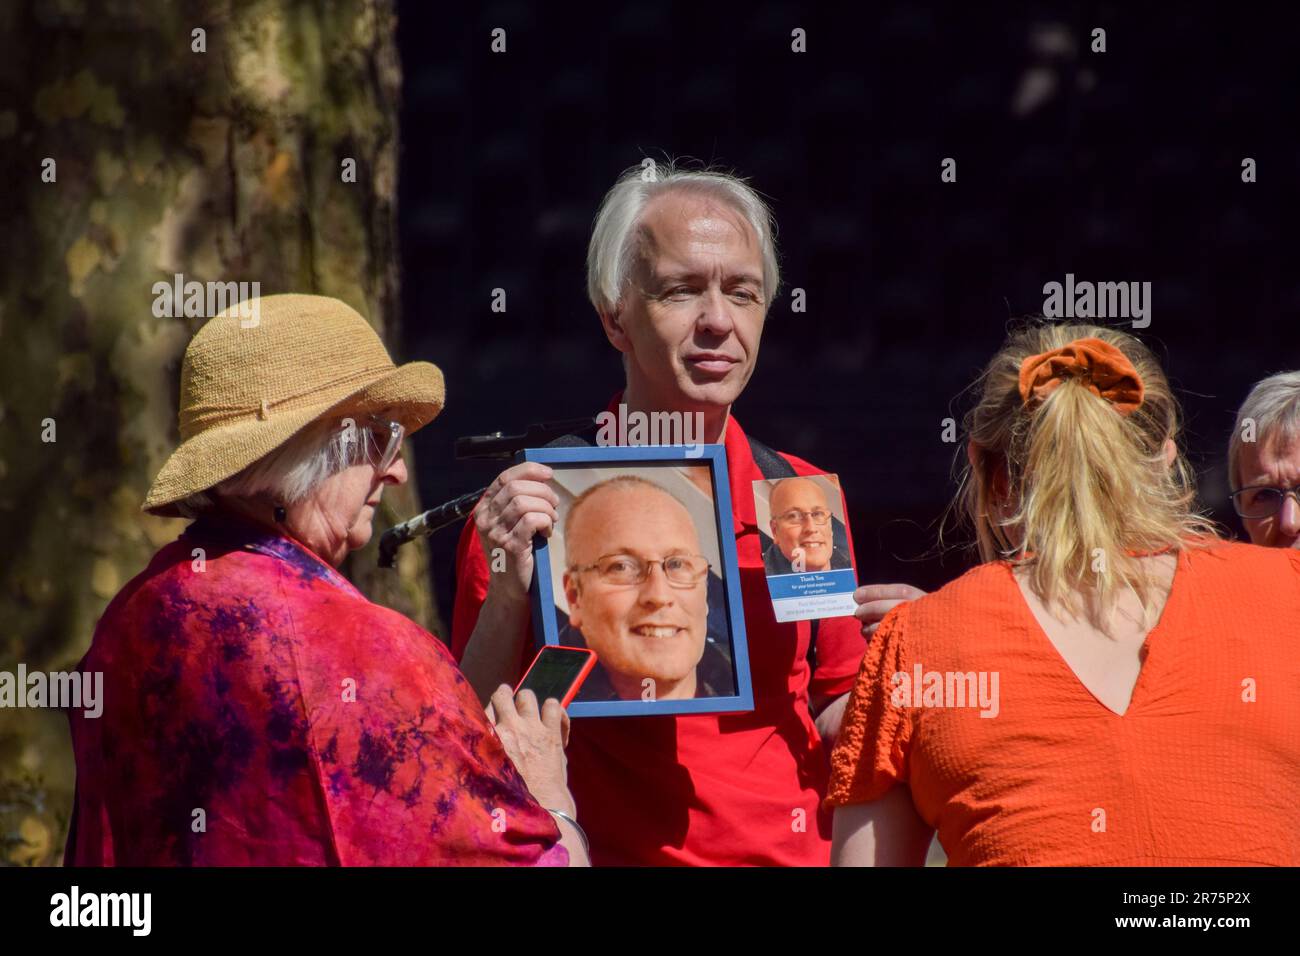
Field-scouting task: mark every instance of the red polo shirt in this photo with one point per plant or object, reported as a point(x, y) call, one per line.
point(708, 789)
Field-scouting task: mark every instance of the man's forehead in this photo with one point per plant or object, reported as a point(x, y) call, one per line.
point(606, 507)
point(681, 225)
point(1276, 456)
point(798, 489)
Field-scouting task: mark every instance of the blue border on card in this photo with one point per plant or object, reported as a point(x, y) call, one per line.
point(715, 457)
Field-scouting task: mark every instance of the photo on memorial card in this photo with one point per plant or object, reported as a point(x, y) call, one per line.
point(641, 569)
point(805, 542)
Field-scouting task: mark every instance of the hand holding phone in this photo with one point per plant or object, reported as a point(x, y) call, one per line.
point(558, 672)
point(534, 732)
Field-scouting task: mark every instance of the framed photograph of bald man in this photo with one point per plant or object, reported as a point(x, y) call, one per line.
point(806, 549)
point(641, 568)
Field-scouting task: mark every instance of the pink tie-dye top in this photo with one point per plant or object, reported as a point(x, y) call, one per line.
point(259, 710)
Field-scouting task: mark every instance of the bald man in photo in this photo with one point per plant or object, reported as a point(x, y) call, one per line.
point(636, 585)
point(803, 530)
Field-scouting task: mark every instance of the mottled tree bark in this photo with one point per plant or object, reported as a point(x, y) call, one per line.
point(223, 165)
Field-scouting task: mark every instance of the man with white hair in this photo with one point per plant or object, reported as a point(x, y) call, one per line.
point(681, 270)
point(1264, 462)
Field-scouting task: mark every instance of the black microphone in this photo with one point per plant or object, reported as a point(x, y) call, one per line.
point(424, 524)
point(497, 445)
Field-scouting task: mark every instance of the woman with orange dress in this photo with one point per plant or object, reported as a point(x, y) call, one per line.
point(1116, 684)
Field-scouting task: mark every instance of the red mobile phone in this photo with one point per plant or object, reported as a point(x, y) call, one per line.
point(558, 672)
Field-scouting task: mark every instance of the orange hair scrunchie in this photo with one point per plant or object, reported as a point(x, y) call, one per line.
point(1103, 369)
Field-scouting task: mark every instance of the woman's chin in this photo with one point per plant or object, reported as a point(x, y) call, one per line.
point(360, 534)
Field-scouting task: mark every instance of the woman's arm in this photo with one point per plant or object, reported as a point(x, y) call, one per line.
point(534, 740)
point(574, 842)
point(516, 506)
point(884, 832)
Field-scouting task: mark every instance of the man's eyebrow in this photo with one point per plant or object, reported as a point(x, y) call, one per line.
point(1276, 469)
point(641, 555)
point(684, 275)
point(1269, 482)
point(665, 278)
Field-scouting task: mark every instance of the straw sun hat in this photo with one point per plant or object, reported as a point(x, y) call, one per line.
point(249, 383)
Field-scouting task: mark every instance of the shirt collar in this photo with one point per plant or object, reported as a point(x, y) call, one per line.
point(740, 468)
point(741, 475)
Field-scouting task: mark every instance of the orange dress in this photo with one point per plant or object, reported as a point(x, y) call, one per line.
point(1203, 769)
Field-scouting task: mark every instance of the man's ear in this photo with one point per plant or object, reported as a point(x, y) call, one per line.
point(612, 323)
point(571, 595)
point(1171, 452)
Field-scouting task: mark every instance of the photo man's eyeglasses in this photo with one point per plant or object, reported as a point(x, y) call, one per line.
point(794, 517)
point(625, 570)
point(1262, 501)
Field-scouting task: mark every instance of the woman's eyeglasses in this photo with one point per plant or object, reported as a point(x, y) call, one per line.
point(625, 570)
point(384, 440)
point(1262, 501)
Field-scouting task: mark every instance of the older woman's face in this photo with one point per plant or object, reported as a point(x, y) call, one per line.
point(1276, 464)
point(337, 517)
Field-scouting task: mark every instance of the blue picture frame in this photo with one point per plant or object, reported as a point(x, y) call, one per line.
point(542, 591)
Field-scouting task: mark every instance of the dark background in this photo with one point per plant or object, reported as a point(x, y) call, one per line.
point(1115, 166)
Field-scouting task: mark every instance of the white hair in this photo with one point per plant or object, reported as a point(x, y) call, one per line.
point(1273, 405)
point(290, 473)
point(614, 236)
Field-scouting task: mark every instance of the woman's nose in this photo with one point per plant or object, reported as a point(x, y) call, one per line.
point(396, 473)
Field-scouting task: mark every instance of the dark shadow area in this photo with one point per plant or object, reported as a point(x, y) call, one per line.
point(1115, 166)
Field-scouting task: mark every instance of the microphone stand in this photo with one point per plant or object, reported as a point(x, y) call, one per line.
point(498, 446)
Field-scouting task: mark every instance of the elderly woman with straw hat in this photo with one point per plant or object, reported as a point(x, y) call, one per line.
point(258, 709)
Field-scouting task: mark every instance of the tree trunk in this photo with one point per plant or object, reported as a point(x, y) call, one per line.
point(225, 163)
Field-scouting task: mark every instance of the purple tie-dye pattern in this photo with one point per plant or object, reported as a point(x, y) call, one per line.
point(228, 690)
